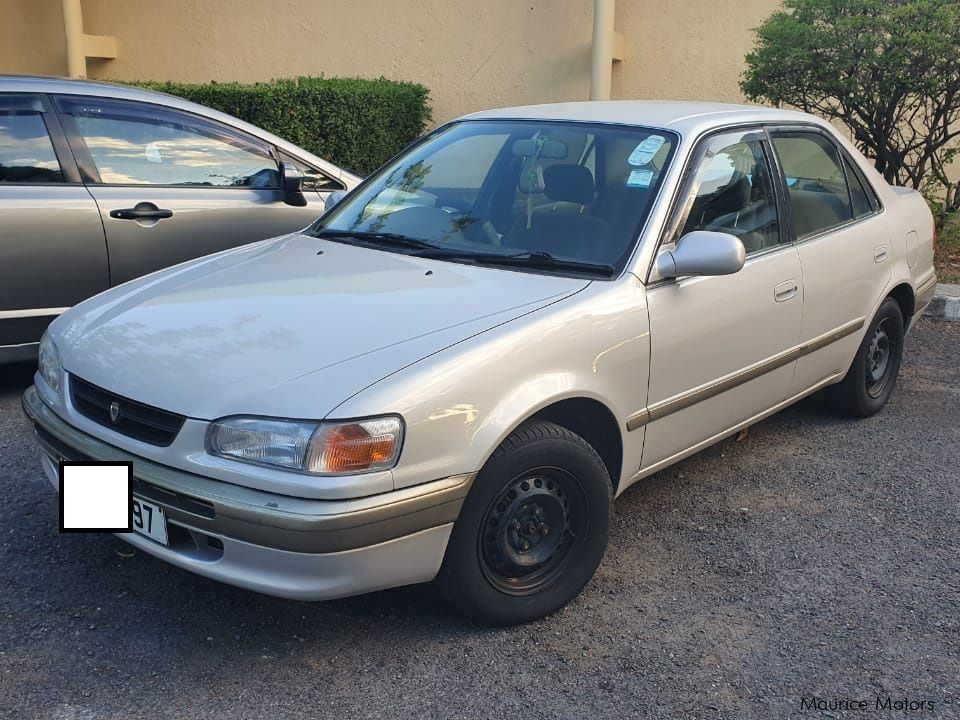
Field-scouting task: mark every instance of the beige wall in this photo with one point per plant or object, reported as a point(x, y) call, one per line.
point(472, 54)
point(31, 38)
point(686, 49)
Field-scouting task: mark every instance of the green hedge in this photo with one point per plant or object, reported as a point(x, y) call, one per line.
point(356, 124)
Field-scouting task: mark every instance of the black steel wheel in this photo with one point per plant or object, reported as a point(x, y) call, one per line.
point(872, 376)
point(532, 530)
point(879, 361)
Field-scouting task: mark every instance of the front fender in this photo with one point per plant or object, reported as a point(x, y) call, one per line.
point(461, 403)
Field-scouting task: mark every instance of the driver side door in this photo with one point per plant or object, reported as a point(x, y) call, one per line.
point(208, 186)
point(723, 347)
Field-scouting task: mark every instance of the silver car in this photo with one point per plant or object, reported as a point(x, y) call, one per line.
point(457, 368)
point(102, 183)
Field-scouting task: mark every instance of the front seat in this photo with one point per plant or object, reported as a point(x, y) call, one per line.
point(571, 235)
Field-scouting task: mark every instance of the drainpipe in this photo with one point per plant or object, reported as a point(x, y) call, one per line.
point(73, 28)
point(601, 70)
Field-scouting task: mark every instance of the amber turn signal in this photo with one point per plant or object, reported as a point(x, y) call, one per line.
point(359, 446)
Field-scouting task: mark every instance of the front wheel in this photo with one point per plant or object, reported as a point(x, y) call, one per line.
point(869, 382)
point(532, 530)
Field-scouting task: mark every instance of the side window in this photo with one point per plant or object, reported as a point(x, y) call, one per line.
point(313, 179)
point(733, 192)
point(816, 185)
point(26, 153)
point(134, 144)
point(858, 194)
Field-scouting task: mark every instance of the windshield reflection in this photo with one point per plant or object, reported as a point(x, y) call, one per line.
point(567, 197)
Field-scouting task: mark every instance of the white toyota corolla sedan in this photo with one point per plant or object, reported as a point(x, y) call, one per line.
point(456, 369)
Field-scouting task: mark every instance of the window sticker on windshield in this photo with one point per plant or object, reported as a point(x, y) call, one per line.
point(644, 152)
point(640, 178)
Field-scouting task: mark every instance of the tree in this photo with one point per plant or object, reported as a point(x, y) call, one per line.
point(887, 69)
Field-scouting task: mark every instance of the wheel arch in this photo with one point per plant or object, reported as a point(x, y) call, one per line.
point(594, 422)
point(905, 298)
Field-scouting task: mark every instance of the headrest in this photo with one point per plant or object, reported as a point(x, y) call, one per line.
point(568, 183)
point(533, 152)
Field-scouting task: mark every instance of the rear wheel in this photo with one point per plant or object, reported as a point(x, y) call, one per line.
point(870, 380)
point(532, 530)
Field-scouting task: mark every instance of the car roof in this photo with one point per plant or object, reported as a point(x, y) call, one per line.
point(681, 116)
point(63, 85)
point(72, 86)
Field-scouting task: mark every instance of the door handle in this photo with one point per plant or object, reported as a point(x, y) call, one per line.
point(141, 211)
point(786, 290)
point(880, 253)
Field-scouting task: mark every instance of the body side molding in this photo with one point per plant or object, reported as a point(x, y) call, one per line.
point(692, 397)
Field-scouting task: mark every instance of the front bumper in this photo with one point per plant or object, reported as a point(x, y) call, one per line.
point(275, 544)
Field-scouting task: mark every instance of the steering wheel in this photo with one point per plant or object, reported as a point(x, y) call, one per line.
point(481, 232)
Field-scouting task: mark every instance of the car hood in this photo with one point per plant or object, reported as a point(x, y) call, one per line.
point(288, 327)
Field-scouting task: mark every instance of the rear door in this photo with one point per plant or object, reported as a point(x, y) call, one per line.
point(844, 249)
point(52, 250)
point(172, 186)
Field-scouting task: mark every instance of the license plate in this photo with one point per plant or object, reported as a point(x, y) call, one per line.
point(149, 520)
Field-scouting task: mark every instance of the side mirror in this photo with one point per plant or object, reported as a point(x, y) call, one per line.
point(702, 252)
point(332, 199)
point(291, 182)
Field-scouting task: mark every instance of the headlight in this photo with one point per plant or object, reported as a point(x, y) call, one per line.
point(319, 448)
point(48, 363)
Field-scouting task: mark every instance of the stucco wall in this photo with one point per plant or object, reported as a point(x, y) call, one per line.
point(31, 38)
point(470, 54)
point(686, 49)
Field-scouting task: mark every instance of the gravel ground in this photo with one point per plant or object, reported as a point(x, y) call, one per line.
point(817, 557)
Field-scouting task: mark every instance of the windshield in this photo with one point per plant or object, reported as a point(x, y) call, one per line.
point(538, 195)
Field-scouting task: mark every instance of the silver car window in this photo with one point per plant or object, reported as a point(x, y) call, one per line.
point(816, 185)
point(733, 192)
point(132, 146)
point(26, 153)
point(313, 179)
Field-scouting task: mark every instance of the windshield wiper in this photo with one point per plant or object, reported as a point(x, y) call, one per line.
point(542, 260)
point(424, 249)
point(391, 239)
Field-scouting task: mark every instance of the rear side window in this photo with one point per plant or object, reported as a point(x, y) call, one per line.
point(26, 153)
point(137, 144)
point(816, 183)
point(858, 194)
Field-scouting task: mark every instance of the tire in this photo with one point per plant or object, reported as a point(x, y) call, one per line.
point(870, 380)
point(532, 530)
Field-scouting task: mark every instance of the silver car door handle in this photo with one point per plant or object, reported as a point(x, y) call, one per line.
point(786, 291)
point(880, 253)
